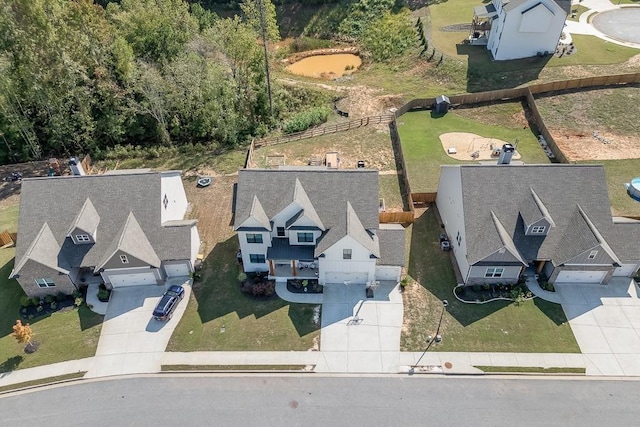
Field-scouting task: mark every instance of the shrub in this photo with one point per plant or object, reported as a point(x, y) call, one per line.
point(35, 301)
point(39, 308)
point(54, 305)
point(265, 288)
point(31, 317)
point(78, 301)
point(305, 119)
point(76, 294)
point(48, 299)
point(242, 276)
point(302, 44)
point(25, 301)
point(388, 37)
point(61, 296)
point(103, 294)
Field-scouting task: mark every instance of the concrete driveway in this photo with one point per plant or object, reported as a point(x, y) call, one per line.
point(606, 323)
point(131, 341)
point(360, 334)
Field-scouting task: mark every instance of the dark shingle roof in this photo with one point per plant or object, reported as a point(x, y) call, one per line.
point(58, 201)
point(562, 189)
point(392, 244)
point(321, 192)
point(512, 4)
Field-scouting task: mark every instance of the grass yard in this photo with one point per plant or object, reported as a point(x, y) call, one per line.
point(9, 219)
point(533, 327)
point(390, 191)
point(618, 172)
point(423, 152)
point(219, 316)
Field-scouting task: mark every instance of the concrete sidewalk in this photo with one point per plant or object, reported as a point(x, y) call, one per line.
point(46, 371)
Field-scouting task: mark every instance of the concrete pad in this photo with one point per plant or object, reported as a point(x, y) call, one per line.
point(622, 340)
point(335, 313)
point(363, 338)
point(389, 338)
point(503, 359)
point(530, 359)
point(390, 361)
point(334, 338)
point(480, 359)
point(590, 339)
point(332, 361)
point(611, 316)
point(603, 364)
point(579, 314)
point(551, 360)
point(364, 362)
point(629, 363)
point(632, 313)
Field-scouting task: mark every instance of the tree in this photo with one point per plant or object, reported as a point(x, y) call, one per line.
point(23, 334)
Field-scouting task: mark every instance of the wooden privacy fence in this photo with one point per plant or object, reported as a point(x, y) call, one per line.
point(324, 130)
point(424, 198)
point(248, 163)
point(405, 217)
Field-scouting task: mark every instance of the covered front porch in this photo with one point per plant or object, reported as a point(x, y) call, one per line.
point(288, 261)
point(481, 25)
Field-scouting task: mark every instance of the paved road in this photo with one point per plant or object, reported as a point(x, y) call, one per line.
point(309, 400)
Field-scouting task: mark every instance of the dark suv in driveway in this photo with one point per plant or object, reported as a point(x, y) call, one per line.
point(168, 303)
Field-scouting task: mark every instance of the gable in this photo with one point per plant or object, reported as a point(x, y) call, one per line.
point(536, 19)
point(596, 255)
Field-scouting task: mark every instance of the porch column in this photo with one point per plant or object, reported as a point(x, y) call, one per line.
point(293, 268)
point(271, 268)
point(540, 267)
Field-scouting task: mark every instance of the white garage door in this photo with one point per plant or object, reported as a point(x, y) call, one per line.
point(388, 273)
point(174, 270)
point(136, 279)
point(581, 276)
point(625, 270)
point(341, 277)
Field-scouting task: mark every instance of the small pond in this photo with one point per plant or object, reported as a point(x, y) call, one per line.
point(326, 66)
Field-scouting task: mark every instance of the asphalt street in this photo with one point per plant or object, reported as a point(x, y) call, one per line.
point(309, 400)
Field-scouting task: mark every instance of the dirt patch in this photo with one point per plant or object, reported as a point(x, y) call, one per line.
point(212, 207)
point(317, 52)
point(466, 144)
point(606, 146)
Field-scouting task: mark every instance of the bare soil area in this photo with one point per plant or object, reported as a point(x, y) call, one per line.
point(585, 146)
point(465, 144)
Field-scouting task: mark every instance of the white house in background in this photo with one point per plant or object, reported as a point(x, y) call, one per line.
point(513, 29)
point(316, 223)
point(555, 219)
point(125, 228)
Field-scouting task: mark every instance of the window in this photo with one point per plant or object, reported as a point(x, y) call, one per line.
point(254, 238)
point(165, 201)
point(256, 258)
point(593, 254)
point(280, 231)
point(82, 238)
point(45, 283)
point(124, 259)
point(346, 254)
point(494, 272)
point(459, 238)
point(305, 237)
point(538, 229)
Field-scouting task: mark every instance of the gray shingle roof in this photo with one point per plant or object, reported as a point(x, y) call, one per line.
point(87, 219)
point(392, 244)
point(561, 188)
point(44, 250)
point(57, 201)
point(328, 192)
point(131, 240)
point(512, 4)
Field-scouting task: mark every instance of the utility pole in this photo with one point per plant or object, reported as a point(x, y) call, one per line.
point(263, 27)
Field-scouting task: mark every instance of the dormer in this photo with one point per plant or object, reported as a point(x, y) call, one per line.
point(299, 215)
point(84, 228)
point(535, 216)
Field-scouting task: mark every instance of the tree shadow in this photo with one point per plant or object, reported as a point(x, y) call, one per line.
point(11, 364)
point(483, 73)
point(88, 319)
point(552, 310)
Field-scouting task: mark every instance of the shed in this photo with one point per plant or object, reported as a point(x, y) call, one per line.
point(442, 104)
point(332, 160)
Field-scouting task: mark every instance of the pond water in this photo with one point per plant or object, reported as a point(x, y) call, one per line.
point(326, 66)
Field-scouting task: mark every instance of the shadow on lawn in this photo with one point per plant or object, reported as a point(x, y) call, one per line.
point(483, 73)
point(218, 292)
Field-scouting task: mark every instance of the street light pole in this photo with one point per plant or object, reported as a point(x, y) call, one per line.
point(445, 303)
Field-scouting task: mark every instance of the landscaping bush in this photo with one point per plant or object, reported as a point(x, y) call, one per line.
point(103, 293)
point(302, 44)
point(61, 296)
point(305, 119)
point(389, 37)
point(25, 301)
point(78, 301)
point(264, 288)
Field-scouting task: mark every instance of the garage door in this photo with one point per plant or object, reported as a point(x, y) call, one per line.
point(136, 279)
point(341, 277)
point(625, 270)
point(174, 270)
point(388, 273)
point(581, 276)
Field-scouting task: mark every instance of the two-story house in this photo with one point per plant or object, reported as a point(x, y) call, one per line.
point(121, 229)
point(555, 219)
point(316, 223)
point(513, 29)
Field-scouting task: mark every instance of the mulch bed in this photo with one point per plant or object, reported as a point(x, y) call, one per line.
point(297, 286)
point(32, 312)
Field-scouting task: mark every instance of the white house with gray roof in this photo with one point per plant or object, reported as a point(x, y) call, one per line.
point(316, 223)
point(513, 29)
point(556, 219)
point(122, 229)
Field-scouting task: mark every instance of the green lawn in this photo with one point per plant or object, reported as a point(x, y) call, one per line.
point(618, 172)
point(423, 152)
point(390, 192)
point(220, 318)
point(535, 326)
point(9, 218)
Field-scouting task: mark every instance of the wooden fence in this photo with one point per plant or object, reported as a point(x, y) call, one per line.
point(7, 239)
point(324, 130)
point(86, 164)
point(423, 198)
point(248, 163)
point(405, 217)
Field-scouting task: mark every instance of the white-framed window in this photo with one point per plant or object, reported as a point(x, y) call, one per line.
point(280, 231)
point(83, 238)
point(346, 254)
point(538, 229)
point(593, 254)
point(124, 259)
point(254, 238)
point(494, 272)
point(45, 283)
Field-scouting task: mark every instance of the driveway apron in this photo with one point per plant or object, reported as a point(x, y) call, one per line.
point(131, 341)
point(360, 334)
point(606, 323)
